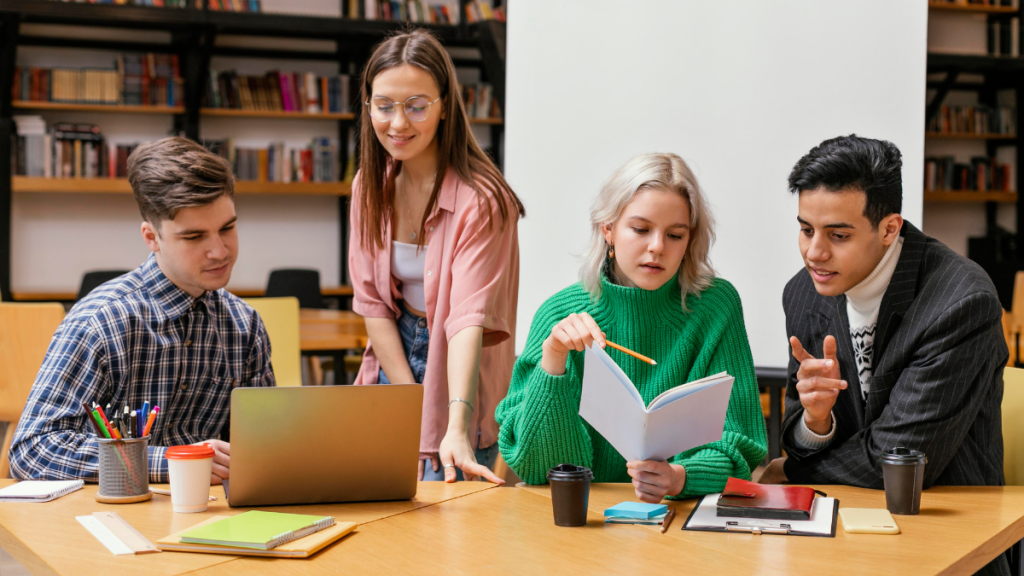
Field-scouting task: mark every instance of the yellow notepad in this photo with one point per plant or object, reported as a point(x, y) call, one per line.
point(868, 521)
point(301, 548)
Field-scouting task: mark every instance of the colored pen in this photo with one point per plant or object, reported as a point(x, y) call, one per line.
point(149, 421)
point(99, 421)
point(127, 422)
point(132, 424)
point(668, 519)
point(106, 422)
point(113, 428)
point(631, 353)
point(88, 412)
point(145, 411)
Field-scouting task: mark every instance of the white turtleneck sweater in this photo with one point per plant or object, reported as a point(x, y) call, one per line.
point(862, 304)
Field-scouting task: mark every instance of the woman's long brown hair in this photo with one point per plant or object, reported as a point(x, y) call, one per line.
point(457, 148)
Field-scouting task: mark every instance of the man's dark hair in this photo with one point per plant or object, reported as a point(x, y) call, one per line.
point(175, 173)
point(854, 163)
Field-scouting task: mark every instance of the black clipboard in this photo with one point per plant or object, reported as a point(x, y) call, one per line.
point(782, 528)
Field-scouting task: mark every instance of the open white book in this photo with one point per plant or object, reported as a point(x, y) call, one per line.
point(684, 417)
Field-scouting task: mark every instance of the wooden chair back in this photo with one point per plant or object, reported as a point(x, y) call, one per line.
point(25, 333)
point(1013, 426)
point(281, 318)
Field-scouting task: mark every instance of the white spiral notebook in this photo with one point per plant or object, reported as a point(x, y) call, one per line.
point(39, 490)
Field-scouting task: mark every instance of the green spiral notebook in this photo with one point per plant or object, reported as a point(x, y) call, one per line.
point(257, 529)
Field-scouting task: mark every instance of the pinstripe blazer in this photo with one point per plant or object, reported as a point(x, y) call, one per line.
point(937, 381)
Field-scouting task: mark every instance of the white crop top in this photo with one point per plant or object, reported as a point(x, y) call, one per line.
point(407, 264)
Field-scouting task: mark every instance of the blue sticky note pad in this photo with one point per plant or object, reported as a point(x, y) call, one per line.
point(635, 510)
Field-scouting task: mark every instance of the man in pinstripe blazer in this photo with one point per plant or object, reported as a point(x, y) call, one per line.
point(896, 339)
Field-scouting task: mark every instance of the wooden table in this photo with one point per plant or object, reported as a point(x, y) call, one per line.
point(327, 331)
point(473, 528)
point(46, 538)
point(959, 530)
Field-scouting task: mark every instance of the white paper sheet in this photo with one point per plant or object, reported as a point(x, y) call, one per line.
point(706, 516)
point(675, 422)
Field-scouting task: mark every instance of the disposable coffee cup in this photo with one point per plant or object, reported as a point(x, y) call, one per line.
point(903, 474)
point(570, 493)
point(190, 468)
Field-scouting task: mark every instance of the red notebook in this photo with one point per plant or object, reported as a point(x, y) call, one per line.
point(745, 499)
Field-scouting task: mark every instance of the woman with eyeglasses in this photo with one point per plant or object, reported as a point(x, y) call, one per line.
point(646, 284)
point(433, 255)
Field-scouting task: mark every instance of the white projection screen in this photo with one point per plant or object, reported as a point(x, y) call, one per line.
point(740, 90)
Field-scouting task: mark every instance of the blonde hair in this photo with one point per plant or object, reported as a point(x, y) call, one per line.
point(646, 172)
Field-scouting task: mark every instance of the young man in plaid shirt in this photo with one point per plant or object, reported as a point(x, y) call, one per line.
point(167, 332)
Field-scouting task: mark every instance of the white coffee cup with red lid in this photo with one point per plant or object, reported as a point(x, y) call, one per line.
point(190, 468)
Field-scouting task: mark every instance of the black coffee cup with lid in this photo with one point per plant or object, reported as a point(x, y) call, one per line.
point(903, 474)
point(570, 493)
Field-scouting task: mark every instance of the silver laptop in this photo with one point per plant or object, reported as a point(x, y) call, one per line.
point(304, 445)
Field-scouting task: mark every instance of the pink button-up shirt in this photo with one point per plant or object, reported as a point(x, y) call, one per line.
point(471, 279)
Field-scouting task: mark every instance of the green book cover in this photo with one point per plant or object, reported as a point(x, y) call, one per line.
point(257, 529)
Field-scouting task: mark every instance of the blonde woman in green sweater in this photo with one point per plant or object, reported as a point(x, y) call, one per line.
point(646, 284)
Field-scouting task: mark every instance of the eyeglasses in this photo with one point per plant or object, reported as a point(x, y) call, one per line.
point(416, 108)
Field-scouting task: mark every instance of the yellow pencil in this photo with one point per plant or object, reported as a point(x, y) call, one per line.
point(631, 353)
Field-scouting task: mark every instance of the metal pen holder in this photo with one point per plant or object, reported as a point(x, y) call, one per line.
point(124, 470)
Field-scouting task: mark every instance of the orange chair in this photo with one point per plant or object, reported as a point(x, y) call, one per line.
point(25, 334)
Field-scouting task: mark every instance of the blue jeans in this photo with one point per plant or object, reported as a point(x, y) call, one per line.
point(415, 339)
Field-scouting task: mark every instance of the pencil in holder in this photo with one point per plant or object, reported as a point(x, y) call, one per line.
point(124, 470)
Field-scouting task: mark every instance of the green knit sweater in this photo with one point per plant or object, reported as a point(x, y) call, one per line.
point(539, 419)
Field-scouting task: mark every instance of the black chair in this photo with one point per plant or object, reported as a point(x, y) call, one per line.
point(94, 279)
point(301, 283)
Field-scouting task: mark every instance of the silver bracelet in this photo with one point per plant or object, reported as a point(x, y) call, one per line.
point(466, 402)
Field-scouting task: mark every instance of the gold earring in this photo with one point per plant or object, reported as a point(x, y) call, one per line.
point(611, 253)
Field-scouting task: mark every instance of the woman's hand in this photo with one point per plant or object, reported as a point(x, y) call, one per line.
point(574, 332)
point(655, 479)
point(456, 449)
point(423, 464)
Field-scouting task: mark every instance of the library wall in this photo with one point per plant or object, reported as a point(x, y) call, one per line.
point(740, 95)
point(954, 223)
point(56, 238)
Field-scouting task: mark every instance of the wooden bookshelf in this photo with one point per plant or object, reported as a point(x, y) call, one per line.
point(958, 196)
point(308, 188)
point(491, 121)
point(240, 292)
point(231, 112)
point(976, 8)
point(968, 136)
point(28, 184)
point(121, 108)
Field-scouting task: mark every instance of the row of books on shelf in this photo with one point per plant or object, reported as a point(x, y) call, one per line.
point(1008, 3)
point(1004, 37)
point(410, 11)
point(232, 5)
point(135, 79)
point(66, 150)
point(982, 174)
point(219, 5)
point(318, 161)
point(63, 150)
point(288, 91)
point(480, 101)
point(478, 11)
point(426, 12)
point(974, 120)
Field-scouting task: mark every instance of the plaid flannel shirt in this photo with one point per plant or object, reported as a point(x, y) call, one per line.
point(139, 338)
